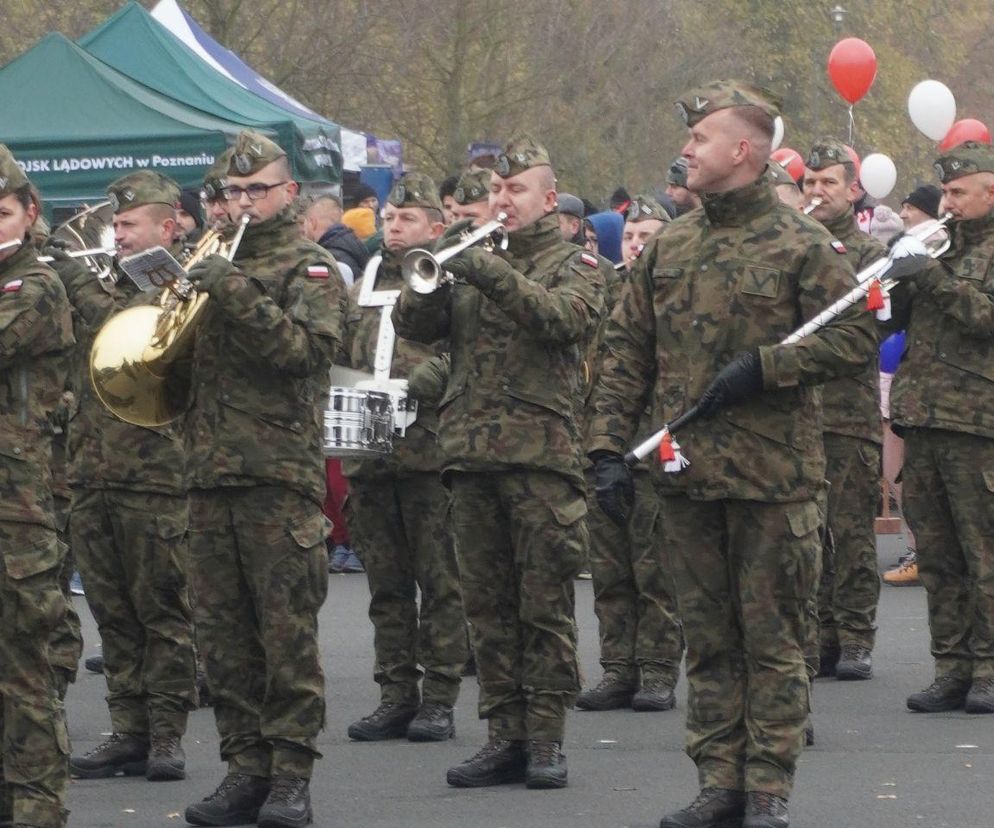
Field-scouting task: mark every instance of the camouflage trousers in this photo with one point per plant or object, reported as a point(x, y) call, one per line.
point(400, 524)
point(520, 536)
point(745, 573)
point(260, 574)
point(34, 773)
point(66, 646)
point(132, 552)
point(847, 598)
point(633, 591)
point(949, 505)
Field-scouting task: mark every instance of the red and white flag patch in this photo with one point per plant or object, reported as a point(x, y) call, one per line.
point(317, 272)
point(588, 259)
point(838, 247)
point(12, 287)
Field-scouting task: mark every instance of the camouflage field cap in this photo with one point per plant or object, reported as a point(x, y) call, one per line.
point(677, 173)
point(214, 179)
point(827, 152)
point(521, 153)
point(12, 177)
point(472, 186)
point(968, 158)
point(415, 190)
point(140, 188)
point(645, 207)
point(252, 151)
point(778, 175)
point(697, 104)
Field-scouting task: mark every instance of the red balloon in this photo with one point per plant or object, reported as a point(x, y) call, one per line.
point(852, 67)
point(790, 160)
point(968, 129)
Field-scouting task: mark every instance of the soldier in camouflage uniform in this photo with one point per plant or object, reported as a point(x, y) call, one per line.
point(942, 404)
point(853, 435)
point(472, 197)
point(740, 524)
point(645, 218)
point(35, 341)
point(518, 322)
point(254, 435)
point(641, 643)
point(129, 522)
point(400, 511)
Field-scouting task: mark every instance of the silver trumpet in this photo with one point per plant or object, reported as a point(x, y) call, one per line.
point(424, 271)
point(72, 254)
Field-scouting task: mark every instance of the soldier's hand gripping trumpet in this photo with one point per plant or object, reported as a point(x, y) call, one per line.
point(907, 257)
point(424, 271)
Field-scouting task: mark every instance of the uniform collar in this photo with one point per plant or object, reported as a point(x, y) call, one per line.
point(260, 238)
point(536, 236)
point(842, 226)
point(27, 253)
point(971, 231)
point(739, 206)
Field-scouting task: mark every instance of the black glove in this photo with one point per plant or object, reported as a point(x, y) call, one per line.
point(71, 271)
point(208, 274)
point(478, 267)
point(738, 381)
point(613, 485)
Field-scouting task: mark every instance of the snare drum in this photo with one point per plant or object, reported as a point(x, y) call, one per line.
point(357, 423)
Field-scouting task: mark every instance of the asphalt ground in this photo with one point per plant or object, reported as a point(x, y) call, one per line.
point(874, 764)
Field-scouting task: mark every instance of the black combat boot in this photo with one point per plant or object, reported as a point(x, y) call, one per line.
point(765, 810)
point(828, 658)
point(855, 663)
point(288, 804)
point(388, 721)
point(125, 753)
point(612, 693)
point(980, 699)
point(654, 694)
point(499, 762)
point(713, 808)
point(236, 801)
point(432, 724)
point(945, 693)
point(95, 664)
point(546, 765)
point(166, 760)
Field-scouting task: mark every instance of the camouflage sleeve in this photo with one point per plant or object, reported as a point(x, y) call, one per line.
point(972, 305)
point(353, 315)
point(423, 317)
point(561, 314)
point(427, 380)
point(24, 315)
point(298, 339)
point(840, 348)
point(94, 303)
point(629, 364)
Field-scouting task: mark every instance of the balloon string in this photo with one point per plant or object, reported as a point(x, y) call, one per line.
point(852, 124)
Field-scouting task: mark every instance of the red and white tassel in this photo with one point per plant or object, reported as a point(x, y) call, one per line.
point(875, 296)
point(666, 453)
point(670, 456)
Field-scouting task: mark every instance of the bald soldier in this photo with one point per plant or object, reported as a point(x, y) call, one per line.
point(645, 217)
point(518, 321)
point(129, 521)
point(942, 403)
point(260, 375)
point(697, 321)
point(853, 435)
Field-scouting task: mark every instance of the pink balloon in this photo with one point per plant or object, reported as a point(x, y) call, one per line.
point(852, 68)
point(968, 129)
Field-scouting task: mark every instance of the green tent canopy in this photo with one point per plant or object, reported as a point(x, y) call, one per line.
point(76, 124)
point(135, 43)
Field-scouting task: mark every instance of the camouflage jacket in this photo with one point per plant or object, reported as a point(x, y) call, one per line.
point(35, 341)
point(946, 379)
point(104, 452)
point(260, 366)
point(740, 272)
point(515, 379)
point(418, 449)
point(851, 405)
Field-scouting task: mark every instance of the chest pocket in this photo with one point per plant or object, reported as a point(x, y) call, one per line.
point(758, 280)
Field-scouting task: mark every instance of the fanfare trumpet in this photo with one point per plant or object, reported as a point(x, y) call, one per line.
point(423, 271)
point(927, 239)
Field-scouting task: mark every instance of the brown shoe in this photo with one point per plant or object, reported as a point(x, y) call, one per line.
point(905, 573)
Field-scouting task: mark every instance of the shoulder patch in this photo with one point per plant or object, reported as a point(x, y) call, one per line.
point(588, 259)
point(12, 287)
point(317, 272)
point(838, 247)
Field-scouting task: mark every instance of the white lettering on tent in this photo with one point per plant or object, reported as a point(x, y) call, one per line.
point(320, 159)
point(203, 160)
point(142, 162)
point(36, 165)
point(320, 142)
point(116, 162)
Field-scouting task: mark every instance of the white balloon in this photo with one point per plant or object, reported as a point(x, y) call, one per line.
point(932, 108)
point(778, 133)
point(878, 175)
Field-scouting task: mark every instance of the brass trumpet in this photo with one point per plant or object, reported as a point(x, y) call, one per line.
point(423, 270)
